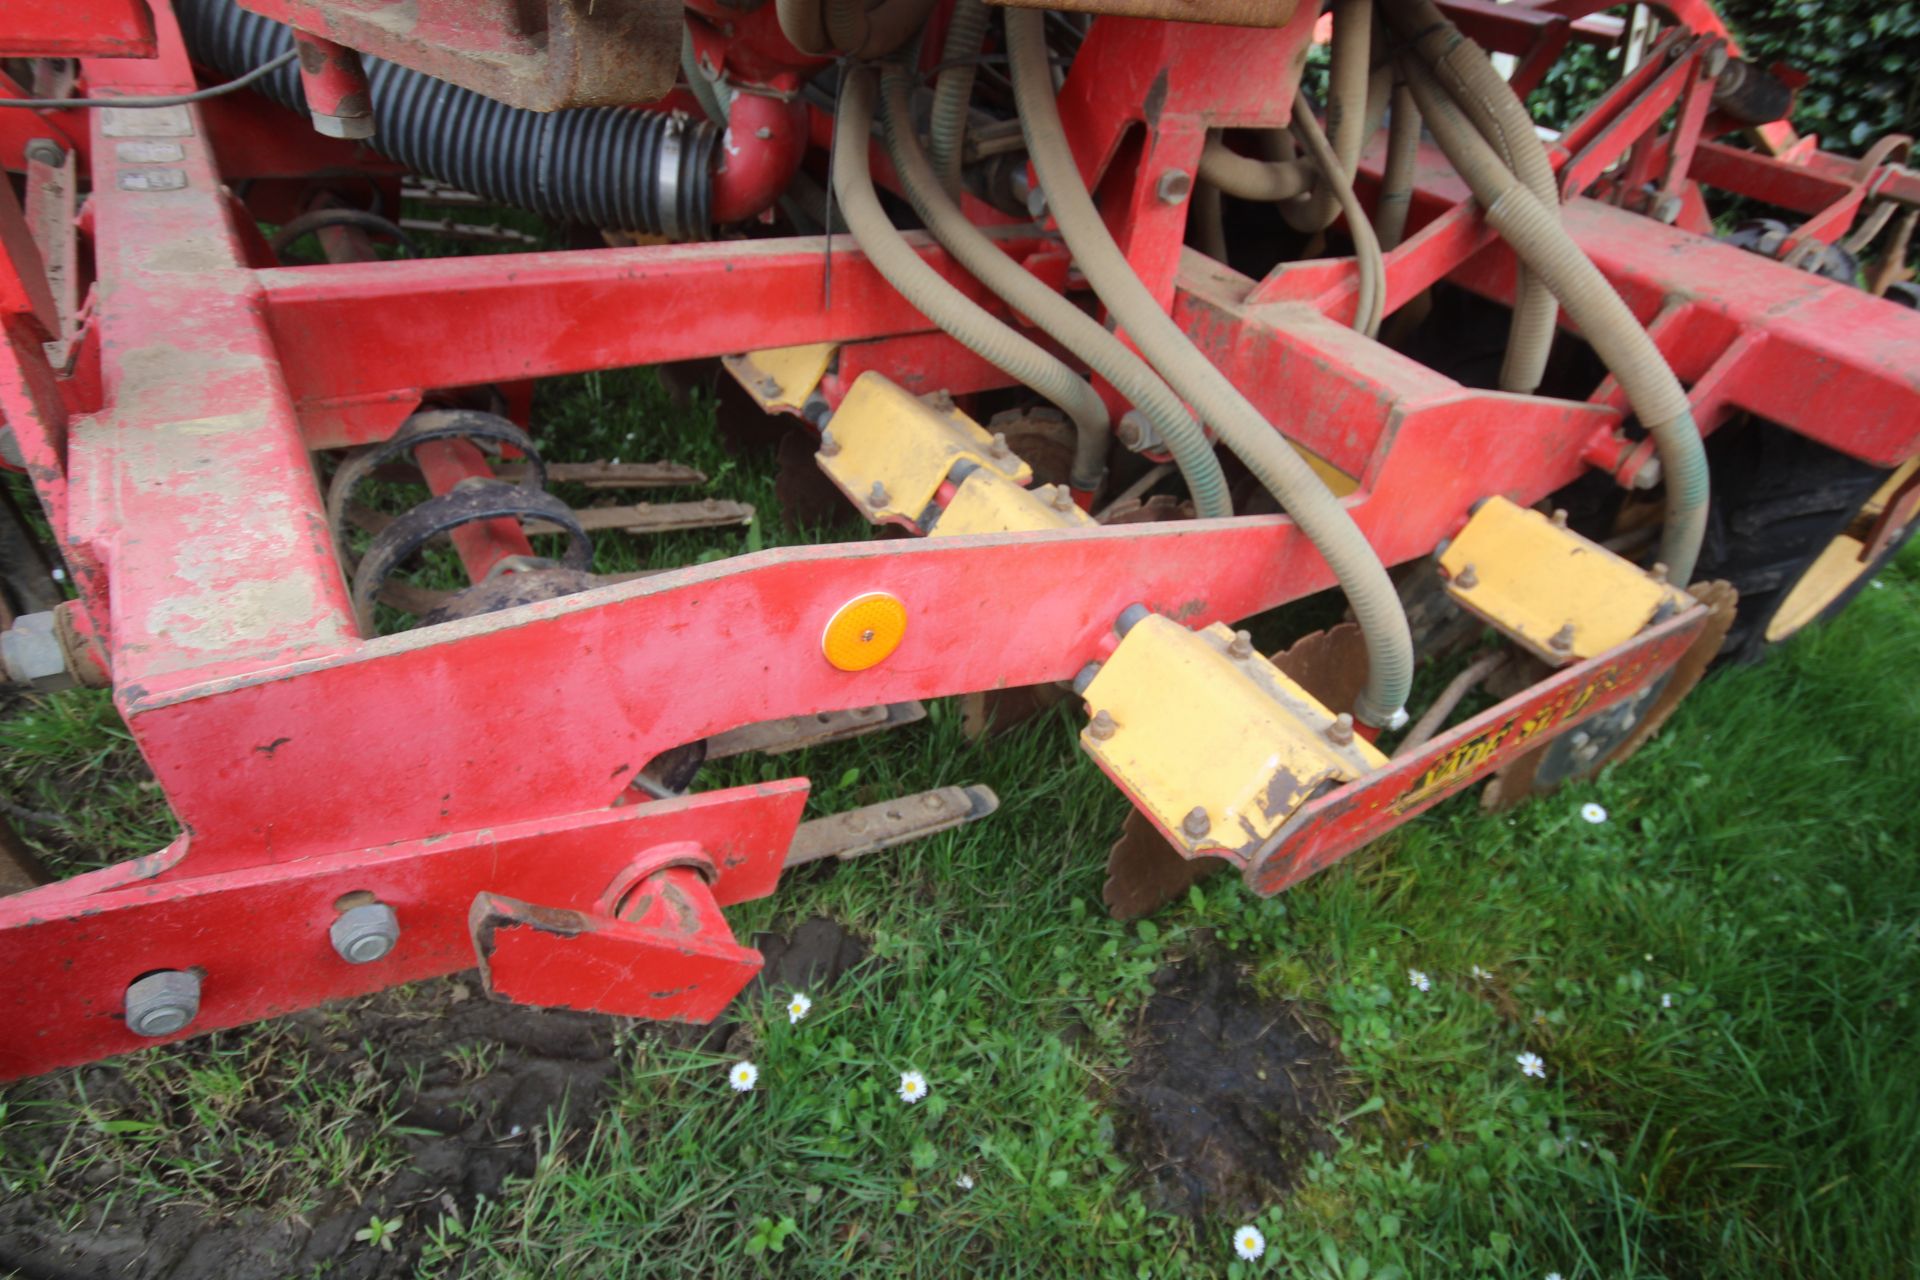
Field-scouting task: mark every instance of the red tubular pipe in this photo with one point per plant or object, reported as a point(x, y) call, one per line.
point(765, 138)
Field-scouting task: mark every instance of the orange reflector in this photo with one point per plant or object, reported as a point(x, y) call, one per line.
point(864, 631)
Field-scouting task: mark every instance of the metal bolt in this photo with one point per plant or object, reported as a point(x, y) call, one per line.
point(1062, 499)
point(1440, 547)
point(769, 386)
point(941, 401)
point(1667, 209)
point(1242, 646)
point(999, 446)
point(1135, 431)
point(163, 1003)
point(877, 496)
point(1036, 203)
point(1648, 476)
point(1559, 517)
point(1084, 677)
point(1130, 617)
point(31, 654)
point(1562, 640)
point(1466, 579)
point(1197, 823)
point(829, 447)
point(365, 933)
point(935, 801)
point(1340, 732)
point(1174, 186)
point(1102, 726)
point(1658, 572)
point(46, 151)
point(1716, 60)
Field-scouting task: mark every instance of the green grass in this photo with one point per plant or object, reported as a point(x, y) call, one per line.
point(1757, 867)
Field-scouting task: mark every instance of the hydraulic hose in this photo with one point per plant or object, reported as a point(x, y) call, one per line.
point(953, 91)
point(960, 316)
point(1396, 178)
point(1267, 454)
point(1248, 178)
point(1543, 244)
point(1463, 71)
point(604, 166)
point(1371, 308)
point(1073, 328)
point(1347, 80)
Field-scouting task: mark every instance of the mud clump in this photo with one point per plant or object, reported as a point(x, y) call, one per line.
point(1228, 1097)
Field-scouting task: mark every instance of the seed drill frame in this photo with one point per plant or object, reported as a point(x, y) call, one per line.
point(473, 778)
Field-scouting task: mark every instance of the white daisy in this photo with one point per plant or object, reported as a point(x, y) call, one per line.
point(913, 1087)
point(1666, 1001)
point(742, 1076)
point(1249, 1243)
point(797, 1007)
point(1593, 813)
point(964, 1182)
point(1420, 981)
point(1532, 1065)
point(1481, 975)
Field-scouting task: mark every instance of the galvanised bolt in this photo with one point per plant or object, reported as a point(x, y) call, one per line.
point(1562, 639)
point(1242, 646)
point(365, 933)
point(1658, 572)
point(829, 447)
point(1559, 517)
point(1466, 579)
point(999, 446)
point(1340, 732)
point(1062, 499)
point(1197, 822)
point(1174, 186)
point(877, 496)
point(1102, 726)
point(162, 1003)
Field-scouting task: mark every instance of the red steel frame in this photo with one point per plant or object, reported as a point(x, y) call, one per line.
point(491, 756)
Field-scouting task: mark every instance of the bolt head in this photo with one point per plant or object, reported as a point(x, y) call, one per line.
point(999, 446)
point(1562, 639)
point(30, 653)
point(829, 447)
point(1102, 726)
point(46, 151)
point(162, 1003)
point(1667, 209)
point(1466, 579)
point(877, 496)
point(1062, 499)
point(1197, 823)
point(365, 933)
point(1174, 186)
point(1340, 732)
point(350, 127)
point(1242, 646)
point(1658, 572)
point(1559, 517)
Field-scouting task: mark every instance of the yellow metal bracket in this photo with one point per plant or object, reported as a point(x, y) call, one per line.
point(781, 378)
point(890, 451)
point(1558, 595)
point(1211, 741)
point(988, 502)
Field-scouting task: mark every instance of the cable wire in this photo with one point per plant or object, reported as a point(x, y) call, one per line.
point(170, 100)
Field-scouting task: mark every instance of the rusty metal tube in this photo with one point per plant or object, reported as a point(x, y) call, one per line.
point(1073, 328)
point(965, 320)
point(1320, 516)
point(1610, 326)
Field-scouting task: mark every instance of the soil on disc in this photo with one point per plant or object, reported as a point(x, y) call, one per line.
point(1229, 1095)
point(470, 1089)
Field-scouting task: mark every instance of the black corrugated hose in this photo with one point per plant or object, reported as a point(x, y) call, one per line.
point(609, 167)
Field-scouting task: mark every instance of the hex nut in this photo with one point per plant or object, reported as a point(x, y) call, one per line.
point(163, 1003)
point(1174, 186)
point(31, 653)
point(365, 933)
